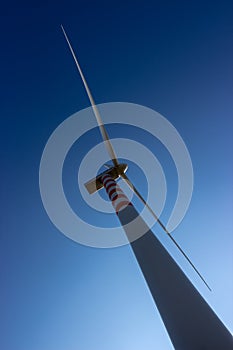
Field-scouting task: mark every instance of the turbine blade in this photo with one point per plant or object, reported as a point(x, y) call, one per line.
point(103, 131)
point(124, 176)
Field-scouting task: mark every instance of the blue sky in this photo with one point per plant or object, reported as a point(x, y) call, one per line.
point(174, 57)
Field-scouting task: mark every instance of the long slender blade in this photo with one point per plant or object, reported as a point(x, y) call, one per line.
point(124, 176)
point(94, 107)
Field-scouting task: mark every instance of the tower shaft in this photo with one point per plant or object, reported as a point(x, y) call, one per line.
point(189, 320)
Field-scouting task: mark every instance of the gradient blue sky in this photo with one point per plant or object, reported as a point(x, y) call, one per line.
point(172, 56)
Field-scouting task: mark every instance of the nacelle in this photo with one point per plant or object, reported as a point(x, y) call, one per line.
point(96, 184)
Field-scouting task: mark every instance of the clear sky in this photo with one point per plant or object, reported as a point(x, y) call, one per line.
point(172, 56)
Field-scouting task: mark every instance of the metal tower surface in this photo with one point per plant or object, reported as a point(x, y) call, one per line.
point(189, 320)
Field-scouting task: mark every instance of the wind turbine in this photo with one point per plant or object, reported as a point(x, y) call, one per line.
point(189, 320)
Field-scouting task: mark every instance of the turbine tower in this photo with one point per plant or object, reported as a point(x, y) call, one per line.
point(190, 322)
